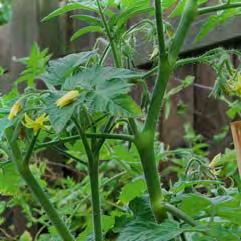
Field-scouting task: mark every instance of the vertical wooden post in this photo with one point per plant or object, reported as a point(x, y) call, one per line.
point(236, 132)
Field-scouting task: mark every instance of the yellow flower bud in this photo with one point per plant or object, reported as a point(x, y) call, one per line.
point(16, 108)
point(36, 124)
point(67, 98)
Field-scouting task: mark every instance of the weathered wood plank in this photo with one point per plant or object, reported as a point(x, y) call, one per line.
point(4, 46)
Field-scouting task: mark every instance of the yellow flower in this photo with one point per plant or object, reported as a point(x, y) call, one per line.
point(67, 98)
point(16, 108)
point(36, 124)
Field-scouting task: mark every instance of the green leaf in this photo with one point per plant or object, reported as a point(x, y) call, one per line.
point(141, 208)
point(143, 230)
point(98, 76)
point(4, 124)
point(219, 233)
point(26, 236)
point(214, 21)
point(118, 105)
point(132, 190)
point(59, 117)
point(88, 19)
point(87, 5)
point(10, 180)
point(85, 30)
point(58, 70)
point(106, 90)
point(140, 7)
point(228, 207)
point(35, 65)
point(195, 204)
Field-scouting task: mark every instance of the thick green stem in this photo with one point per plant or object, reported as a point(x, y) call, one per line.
point(189, 14)
point(145, 140)
point(219, 7)
point(25, 173)
point(146, 152)
point(164, 73)
point(93, 168)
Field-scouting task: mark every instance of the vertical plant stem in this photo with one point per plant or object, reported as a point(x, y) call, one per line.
point(188, 16)
point(110, 37)
point(93, 168)
point(24, 171)
point(147, 156)
point(94, 183)
point(145, 140)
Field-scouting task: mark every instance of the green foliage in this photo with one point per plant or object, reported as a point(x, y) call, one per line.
point(132, 190)
point(149, 231)
point(26, 236)
point(214, 21)
point(35, 65)
point(58, 70)
point(5, 11)
point(1, 71)
point(10, 180)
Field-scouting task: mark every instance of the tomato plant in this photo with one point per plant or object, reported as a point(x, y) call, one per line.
point(86, 100)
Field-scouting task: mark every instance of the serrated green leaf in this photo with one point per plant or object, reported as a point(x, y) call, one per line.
point(85, 30)
point(141, 208)
point(143, 230)
point(119, 105)
point(58, 70)
point(195, 204)
point(59, 117)
point(106, 90)
point(97, 76)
